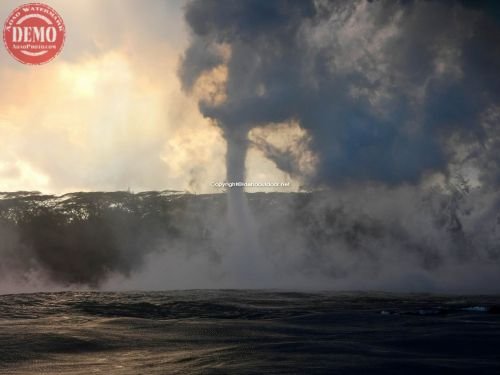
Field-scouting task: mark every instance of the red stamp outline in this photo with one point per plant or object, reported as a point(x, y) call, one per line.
point(50, 19)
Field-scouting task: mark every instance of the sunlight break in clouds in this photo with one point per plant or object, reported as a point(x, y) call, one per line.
point(108, 113)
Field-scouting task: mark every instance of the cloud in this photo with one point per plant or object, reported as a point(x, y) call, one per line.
point(381, 87)
point(109, 113)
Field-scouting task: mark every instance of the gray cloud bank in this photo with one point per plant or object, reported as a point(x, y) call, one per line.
point(389, 91)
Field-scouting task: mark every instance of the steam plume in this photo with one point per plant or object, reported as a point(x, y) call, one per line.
point(390, 91)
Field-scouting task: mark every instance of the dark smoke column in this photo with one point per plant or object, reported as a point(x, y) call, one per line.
point(387, 90)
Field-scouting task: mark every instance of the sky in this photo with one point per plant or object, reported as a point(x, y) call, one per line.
point(391, 92)
point(388, 111)
point(109, 112)
point(147, 95)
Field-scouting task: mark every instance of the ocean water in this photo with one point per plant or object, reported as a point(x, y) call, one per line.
point(248, 332)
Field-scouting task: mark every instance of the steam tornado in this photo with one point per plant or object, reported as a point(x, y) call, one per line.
point(392, 93)
point(389, 91)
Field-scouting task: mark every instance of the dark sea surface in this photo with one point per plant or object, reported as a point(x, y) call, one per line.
point(248, 332)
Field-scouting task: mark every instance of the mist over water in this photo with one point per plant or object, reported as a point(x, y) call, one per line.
point(398, 239)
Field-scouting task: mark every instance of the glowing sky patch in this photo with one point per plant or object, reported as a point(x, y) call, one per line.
point(109, 112)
